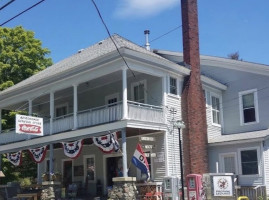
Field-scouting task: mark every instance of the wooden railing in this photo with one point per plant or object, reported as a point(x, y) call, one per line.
point(253, 193)
point(91, 117)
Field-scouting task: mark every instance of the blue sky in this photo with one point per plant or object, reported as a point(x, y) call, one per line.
point(226, 26)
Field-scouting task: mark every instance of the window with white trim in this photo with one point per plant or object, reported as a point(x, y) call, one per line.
point(228, 163)
point(139, 91)
point(61, 110)
point(112, 99)
point(248, 107)
point(215, 102)
point(173, 86)
point(249, 162)
point(89, 166)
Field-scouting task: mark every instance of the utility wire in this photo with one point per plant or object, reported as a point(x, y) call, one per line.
point(172, 30)
point(108, 32)
point(22, 12)
point(7, 4)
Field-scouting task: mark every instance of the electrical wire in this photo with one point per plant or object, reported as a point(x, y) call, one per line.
point(159, 37)
point(31, 7)
point(7, 4)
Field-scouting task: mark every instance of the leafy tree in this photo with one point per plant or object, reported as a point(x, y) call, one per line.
point(21, 56)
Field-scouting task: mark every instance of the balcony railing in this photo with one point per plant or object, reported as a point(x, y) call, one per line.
point(91, 117)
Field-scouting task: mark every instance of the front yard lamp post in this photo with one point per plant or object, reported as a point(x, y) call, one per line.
point(180, 125)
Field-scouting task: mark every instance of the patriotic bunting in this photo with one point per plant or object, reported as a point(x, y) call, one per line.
point(38, 154)
point(15, 158)
point(107, 143)
point(72, 149)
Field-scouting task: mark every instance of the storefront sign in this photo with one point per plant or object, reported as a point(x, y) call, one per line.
point(29, 125)
point(223, 186)
point(151, 139)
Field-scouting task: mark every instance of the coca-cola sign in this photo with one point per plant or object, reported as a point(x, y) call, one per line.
point(29, 125)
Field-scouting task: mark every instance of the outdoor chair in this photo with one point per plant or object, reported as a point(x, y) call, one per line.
point(11, 192)
point(72, 190)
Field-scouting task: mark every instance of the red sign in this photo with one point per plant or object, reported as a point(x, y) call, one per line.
point(29, 125)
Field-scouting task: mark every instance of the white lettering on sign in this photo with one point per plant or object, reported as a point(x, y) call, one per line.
point(151, 139)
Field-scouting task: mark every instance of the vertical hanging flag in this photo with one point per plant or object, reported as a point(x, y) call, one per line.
point(38, 154)
point(72, 149)
point(107, 143)
point(15, 158)
point(140, 161)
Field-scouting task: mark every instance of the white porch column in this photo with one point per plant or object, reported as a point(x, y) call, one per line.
point(51, 129)
point(75, 106)
point(124, 94)
point(30, 108)
point(124, 153)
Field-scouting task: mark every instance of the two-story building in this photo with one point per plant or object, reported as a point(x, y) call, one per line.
point(96, 91)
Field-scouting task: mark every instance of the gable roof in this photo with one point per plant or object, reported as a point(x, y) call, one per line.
point(91, 53)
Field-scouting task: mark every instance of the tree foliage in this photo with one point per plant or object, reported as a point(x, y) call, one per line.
point(234, 56)
point(21, 56)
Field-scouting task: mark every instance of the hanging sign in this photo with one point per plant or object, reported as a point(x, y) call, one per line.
point(15, 158)
point(72, 149)
point(29, 125)
point(150, 139)
point(38, 154)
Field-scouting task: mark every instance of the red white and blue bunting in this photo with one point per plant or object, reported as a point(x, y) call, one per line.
point(38, 154)
point(15, 158)
point(72, 149)
point(107, 143)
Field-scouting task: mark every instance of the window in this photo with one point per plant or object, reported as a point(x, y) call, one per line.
point(112, 99)
point(248, 106)
point(215, 109)
point(139, 91)
point(89, 164)
point(228, 163)
point(173, 85)
point(61, 110)
point(249, 162)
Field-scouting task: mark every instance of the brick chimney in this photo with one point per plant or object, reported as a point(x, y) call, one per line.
point(195, 153)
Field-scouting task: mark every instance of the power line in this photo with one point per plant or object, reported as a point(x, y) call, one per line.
point(172, 30)
point(22, 12)
point(100, 16)
point(7, 4)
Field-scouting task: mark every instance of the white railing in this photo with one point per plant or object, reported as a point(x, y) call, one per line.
point(95, 116)
point(100, 115)
point(145, 112)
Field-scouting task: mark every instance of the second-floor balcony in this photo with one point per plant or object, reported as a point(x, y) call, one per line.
point(91, 117)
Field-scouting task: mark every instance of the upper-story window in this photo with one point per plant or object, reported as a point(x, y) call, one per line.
point(139, 91)
point(248, 107)
point(61, 110)
point(173, 86)
point(215, 102)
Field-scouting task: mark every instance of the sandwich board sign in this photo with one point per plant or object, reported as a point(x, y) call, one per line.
point(29, 125)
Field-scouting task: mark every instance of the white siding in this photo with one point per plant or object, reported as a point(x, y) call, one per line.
point(266, 164)
point(172, 134)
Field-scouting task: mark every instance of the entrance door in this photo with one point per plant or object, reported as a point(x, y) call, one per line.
point(113, 169)
point(67, 172)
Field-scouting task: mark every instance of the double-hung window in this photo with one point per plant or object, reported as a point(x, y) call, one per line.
point(173, 86)
point(215, 102)
point(248, 107)
point(139, 91)
point(249, 162)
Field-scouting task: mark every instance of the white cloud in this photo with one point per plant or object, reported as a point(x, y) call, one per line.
point(143, 8)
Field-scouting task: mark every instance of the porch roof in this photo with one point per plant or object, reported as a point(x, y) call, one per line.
point(79, 60)
point(239, 137)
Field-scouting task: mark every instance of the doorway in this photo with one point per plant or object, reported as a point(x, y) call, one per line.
point(113, 169)
point(67, 172)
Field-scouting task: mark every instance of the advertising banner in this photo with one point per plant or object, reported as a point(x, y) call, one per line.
point(29, 125)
